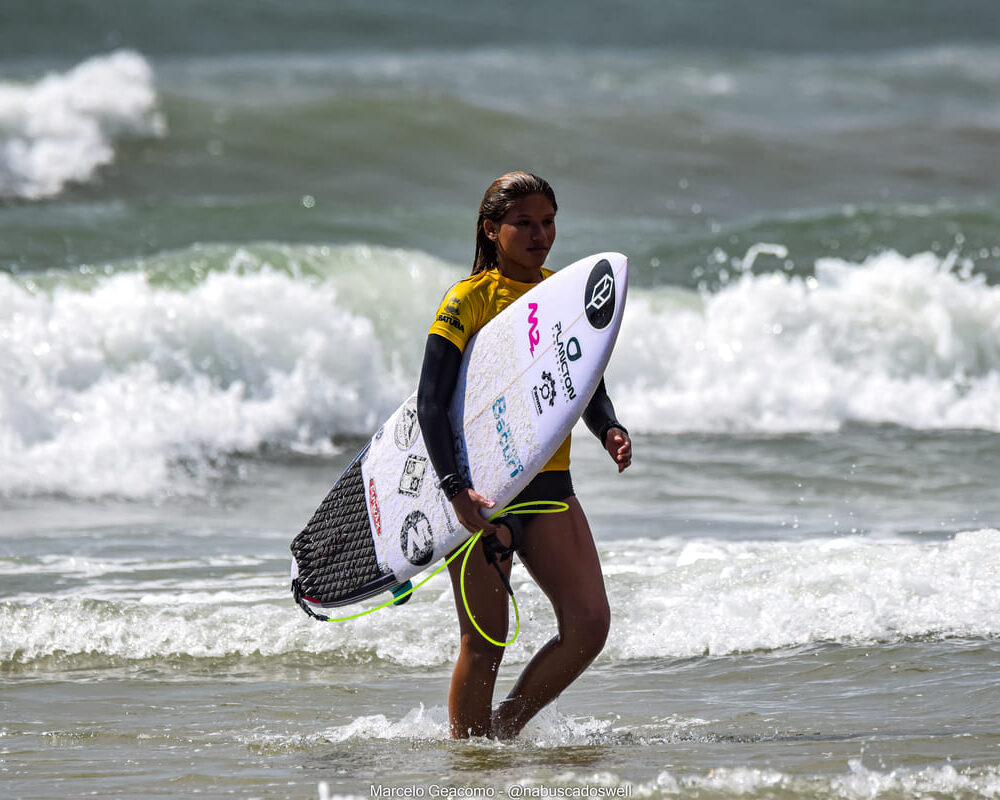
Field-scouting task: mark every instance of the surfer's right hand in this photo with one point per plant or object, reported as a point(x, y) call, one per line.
point(467, 504)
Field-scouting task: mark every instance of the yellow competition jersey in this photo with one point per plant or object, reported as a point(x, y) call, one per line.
point(473, 302)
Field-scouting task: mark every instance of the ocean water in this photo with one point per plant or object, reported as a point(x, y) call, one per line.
point(222, 232)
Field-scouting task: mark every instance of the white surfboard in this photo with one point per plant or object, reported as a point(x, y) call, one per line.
point(524, 381)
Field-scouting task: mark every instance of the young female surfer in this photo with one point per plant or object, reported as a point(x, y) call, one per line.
point(514, 232)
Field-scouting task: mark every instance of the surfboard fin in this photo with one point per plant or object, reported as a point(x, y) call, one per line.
point(402, 589)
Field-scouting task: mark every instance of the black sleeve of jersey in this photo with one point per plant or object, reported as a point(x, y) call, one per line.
point(438, 376)
point(599, 415)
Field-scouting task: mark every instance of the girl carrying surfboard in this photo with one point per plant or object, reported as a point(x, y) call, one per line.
point(515, 230)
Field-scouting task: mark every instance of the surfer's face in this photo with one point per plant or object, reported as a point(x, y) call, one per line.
point(524, 237)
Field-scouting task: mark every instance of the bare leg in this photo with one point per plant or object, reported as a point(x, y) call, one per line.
point(470, 697)
point(559, 552)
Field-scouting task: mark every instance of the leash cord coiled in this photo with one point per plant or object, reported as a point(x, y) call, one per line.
point(494, 552)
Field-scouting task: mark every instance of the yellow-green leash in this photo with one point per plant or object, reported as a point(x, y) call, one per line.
point(531, 507)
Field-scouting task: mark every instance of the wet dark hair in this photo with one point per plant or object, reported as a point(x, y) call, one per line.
point(498, 200)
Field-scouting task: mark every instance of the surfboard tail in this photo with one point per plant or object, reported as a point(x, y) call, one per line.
point(333, 561)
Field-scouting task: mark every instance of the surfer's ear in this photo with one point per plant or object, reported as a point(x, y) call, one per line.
point(489, 226)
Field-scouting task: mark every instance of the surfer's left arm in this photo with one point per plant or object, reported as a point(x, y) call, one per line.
point(600, 418)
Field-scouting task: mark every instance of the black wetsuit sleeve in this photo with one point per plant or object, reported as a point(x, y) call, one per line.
point(438, 377)
point(599, 415)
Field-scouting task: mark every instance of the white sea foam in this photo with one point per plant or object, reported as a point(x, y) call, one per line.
point(106, 386)
point(323, 793)
point(857, 782)
point(550, 728)
point(910, 341)
point(135, 383)
point(66, 126)
point(725, 597)
point(418, 723)
point(670, 598)
point(854, 781)
point(851, 781)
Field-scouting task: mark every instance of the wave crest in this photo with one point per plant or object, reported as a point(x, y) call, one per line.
point(910, 341)
point(66, 126)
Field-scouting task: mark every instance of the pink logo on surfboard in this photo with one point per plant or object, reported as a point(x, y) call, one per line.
point(534, 337)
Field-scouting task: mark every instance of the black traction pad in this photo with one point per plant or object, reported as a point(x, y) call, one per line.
point(335, 552)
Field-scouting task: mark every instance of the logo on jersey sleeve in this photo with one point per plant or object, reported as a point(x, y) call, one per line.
point(450, 314)
point(599, 296)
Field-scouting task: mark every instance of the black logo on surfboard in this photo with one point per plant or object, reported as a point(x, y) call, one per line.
point(599, 296)
point(407, 427)
point(415, 539)
point(544, 393)
point(412, 479)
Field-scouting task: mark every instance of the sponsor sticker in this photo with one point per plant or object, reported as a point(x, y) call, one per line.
point(416, 539)
point(599, 296)
point(564, 354)
point(534, 337)
point(544, 393)
point(412, 479)
point(373, 502)
point(406, 425)
point(505, 437)
point(447, 512)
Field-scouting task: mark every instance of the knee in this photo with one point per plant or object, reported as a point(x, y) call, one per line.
point(587, 630)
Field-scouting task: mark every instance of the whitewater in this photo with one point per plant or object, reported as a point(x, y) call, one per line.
point(114, 377)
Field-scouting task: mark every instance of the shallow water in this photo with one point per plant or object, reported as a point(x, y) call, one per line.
point(749, 652)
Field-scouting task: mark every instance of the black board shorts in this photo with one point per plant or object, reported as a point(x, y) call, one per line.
point(553, 484)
